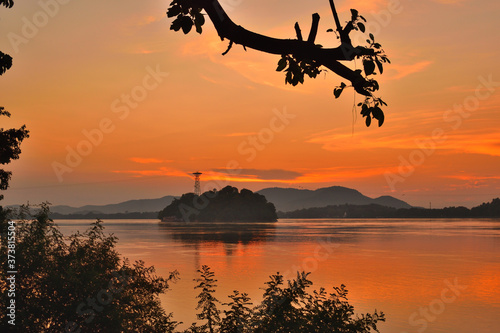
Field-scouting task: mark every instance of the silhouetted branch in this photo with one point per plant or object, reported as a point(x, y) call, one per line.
point(314, 28)
point(335, 16)
point(228, 47)
point(301, 50)
point(298, 57)
point(298, 32)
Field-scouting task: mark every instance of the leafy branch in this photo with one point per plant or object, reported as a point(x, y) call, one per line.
point(299, 57)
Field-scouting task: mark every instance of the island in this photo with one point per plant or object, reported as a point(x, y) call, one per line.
point(226, 205)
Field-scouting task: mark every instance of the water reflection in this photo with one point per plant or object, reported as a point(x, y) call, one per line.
point(398, 266)
point(231, 233)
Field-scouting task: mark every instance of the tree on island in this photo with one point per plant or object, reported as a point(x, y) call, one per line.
point(226, 205)
point(299, 57)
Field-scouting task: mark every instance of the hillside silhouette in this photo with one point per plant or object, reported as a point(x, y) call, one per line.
point(485, 210)
point(289, 199)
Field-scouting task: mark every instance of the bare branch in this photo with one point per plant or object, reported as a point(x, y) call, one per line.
point(314, 28)
point(335, 16)
point(302, 50)
point(298, 32)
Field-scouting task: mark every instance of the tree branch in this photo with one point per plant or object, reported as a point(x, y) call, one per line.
point(298, 32)
point(314, 28)
point(302, 50)
point(335, 16)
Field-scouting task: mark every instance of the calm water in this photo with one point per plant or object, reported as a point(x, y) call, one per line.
point(426, 275)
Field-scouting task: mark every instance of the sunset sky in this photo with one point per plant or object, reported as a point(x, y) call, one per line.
point(119, 107)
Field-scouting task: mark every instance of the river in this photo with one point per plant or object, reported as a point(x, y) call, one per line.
point(426, 275)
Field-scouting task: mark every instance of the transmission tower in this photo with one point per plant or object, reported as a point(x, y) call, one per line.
point(197, 188)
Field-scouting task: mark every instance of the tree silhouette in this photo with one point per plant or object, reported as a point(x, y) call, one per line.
point(207, 303)
point(10, 140)
point(79, 283)
point(289, 308)
point(298, 56)
point(226, 205)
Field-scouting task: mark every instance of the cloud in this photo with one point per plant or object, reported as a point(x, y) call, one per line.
point(405, 70)
point(259, 174)
point(472, 181)
point(254, 66)
point(142, 160)
point(450, 2)
point(158, 172)
point(483, 141)
point(363, 6)
point(143, 20)
point(239, 134)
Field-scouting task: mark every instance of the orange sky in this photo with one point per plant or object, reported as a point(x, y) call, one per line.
point(141, 107)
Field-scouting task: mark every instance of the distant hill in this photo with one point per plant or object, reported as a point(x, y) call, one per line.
point(141, 205)
point(284, 199)
point(289, 199)
point(485, 210)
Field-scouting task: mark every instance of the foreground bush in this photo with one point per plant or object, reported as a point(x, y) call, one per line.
point(79, 284)
point(284, 309)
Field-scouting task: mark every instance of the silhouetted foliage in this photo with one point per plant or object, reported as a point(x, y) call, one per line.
point(10, 139)
point(5, 62)
point(239, 314)
point(226, 205)
point(7, 3)
point(207, 303)
point(284, 309)
point(299, 57)
point(490, 209)
point(79, 282)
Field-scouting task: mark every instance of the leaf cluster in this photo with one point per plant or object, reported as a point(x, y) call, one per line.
point(357, 21)
point(379, 57)
point(7, 3)
point(186, 17)
point(5, 62)
point(371, 108)
point(296, 69)
point(10, 148)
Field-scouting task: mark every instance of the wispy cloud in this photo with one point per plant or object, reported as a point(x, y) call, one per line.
point(468, 181)
point(239, 134)
point(405, 70)
point(363, 6)
point(158, 172)
point(257, 67)
point(484, 141)
point(271, 174)
point(450, 2)
point(143, 160)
